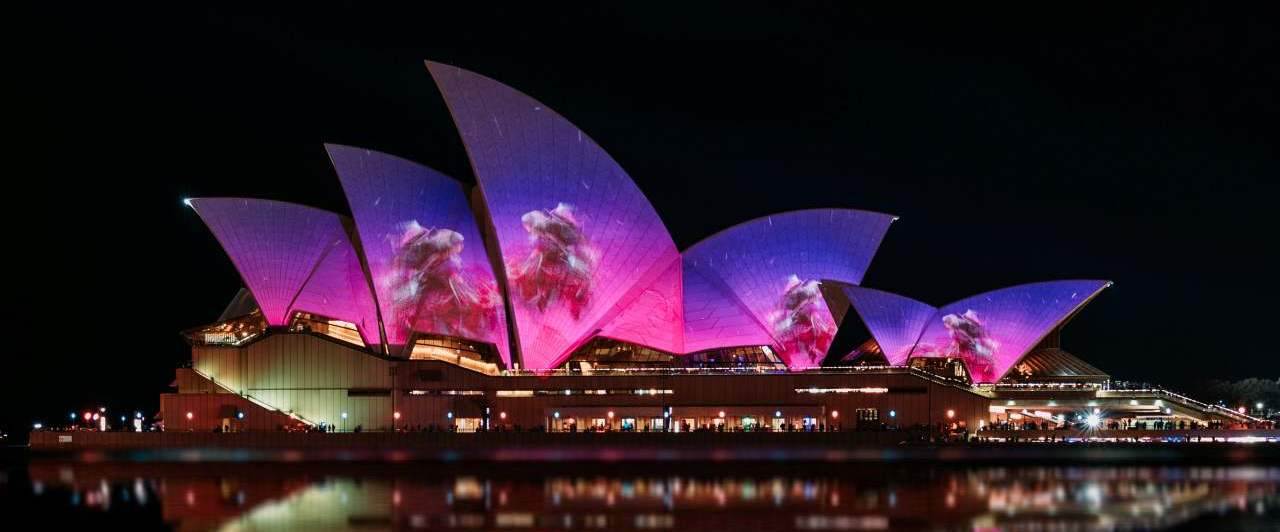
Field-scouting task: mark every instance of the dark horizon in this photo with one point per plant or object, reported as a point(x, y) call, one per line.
point(1135, 145)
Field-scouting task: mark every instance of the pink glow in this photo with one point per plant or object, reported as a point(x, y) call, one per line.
point(648, 319)
point(579, 241)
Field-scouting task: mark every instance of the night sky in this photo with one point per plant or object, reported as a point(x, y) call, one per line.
point(1136, 145)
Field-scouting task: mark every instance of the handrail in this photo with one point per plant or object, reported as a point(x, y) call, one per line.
point(249, 397)
point(708, 370)
point(1189, 401)
point(845, 370)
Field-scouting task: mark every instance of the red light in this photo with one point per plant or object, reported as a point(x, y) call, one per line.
point(835, 413)
point(610, 414)
point(190, 415)
point(503, 415)
point(88, 416)
point(722, 413)
point(396, 415)
point(951, 414)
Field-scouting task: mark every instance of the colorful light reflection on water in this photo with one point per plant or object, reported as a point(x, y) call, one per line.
point(329, 496)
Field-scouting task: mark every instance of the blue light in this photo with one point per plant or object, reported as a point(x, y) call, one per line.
point(777, 413)
point(73, 416)
point(450, 415)
point(893, 413)
point(557, 415)
point(239, 415)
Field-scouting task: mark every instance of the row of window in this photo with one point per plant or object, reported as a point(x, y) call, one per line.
point(531, 393)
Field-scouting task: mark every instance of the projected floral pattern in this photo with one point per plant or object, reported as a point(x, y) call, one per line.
point(423, 249)
point(802, 323)
point(967, 339)
point(579, 242)
point(432, 290)
point(560, 264)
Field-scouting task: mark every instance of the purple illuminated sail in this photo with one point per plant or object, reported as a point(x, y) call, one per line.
point(423, 248)
point(773, 266)
point(894, 321)
point(578, 239)
point(992, 331)
point(280, 248)
point(714, 318)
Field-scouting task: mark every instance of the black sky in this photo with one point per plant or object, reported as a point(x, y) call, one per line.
point(1135, 144)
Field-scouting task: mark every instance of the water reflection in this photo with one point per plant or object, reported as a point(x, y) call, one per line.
point(869, 497)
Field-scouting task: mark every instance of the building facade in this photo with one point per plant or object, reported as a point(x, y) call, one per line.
point(550, 296)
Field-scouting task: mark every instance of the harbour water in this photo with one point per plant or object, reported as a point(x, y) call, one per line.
point(228, 492)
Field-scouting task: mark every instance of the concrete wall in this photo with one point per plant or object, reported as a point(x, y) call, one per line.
point(302, 374)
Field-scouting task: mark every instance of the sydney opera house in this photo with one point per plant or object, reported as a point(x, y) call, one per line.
point(550, 296)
